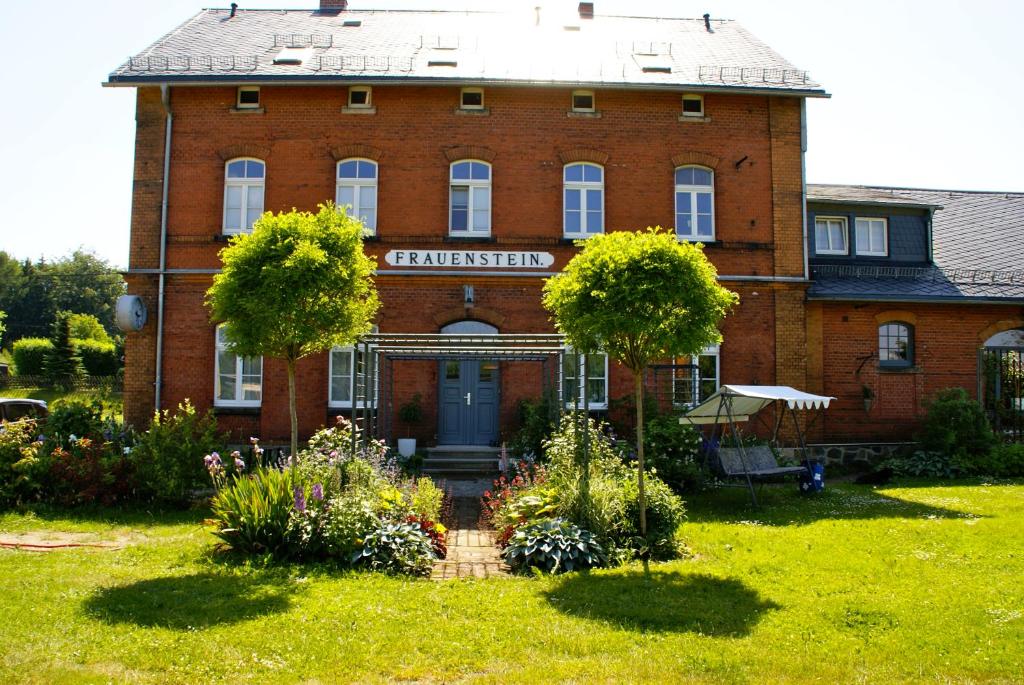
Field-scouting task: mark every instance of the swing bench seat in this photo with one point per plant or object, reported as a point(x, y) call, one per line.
point(760, 463)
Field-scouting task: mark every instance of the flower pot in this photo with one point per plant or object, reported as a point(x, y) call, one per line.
point(407, 447)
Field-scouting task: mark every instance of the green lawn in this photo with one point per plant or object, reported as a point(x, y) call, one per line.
point(915, 583)
point(113, 404)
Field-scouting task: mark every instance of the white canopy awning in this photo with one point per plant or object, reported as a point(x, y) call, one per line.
point(750, 399)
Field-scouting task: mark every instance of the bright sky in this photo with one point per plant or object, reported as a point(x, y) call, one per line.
point(926, 93)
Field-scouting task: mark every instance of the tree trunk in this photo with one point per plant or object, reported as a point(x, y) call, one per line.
point(638, 384)
point(291, 410)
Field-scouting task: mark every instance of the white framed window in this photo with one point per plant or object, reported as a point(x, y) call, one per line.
point(360, 97)
point(238, 381)
point(583, 194)
point(694, 379)
point(356, 191)
point(244, 181)
point(248, 97)
point(693, 105)
point(343, 360)
point(695, 203)
point(470, 198)
point(583, 101)
point(872, 237)
point(831, 235)
point(471, 98)
point(596, 385)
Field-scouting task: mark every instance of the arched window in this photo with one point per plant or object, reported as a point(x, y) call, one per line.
point(238, 380)
point(470, 198)
point(584, 200)
point(357, 191)
point(244, 180)
point(895, 344)
point(343, 362)
point(695, 203)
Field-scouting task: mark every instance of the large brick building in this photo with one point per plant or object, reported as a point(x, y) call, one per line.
point(476, 148)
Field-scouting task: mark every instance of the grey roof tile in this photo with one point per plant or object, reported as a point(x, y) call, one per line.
point(401, 45)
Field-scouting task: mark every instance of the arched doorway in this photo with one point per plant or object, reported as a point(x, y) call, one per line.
point(468, 393)
point(1001, 382)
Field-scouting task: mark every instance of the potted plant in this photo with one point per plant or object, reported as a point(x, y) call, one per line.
point(869, 397)
point(410, 413)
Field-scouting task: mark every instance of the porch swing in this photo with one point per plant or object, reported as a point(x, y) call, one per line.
point(733, 404)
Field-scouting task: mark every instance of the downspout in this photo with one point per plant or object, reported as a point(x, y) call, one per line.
point(165, 98)
point(803, 182)
point(931, 227)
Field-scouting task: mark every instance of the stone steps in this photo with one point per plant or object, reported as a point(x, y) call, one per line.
point(460, 461)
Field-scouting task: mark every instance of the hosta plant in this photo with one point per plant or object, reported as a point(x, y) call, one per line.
point(396, 548)
point(554, 546)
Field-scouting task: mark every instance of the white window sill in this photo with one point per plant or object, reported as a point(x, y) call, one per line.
point(601, 406)
point(358, 110)
point(872, 254)
point(248, 110)
point(831, 253)
point(695, 239)
point(469, 234)
point(348, 405)
point(572, 114)
point(473, 112)
point(695, 119)
point(225, 404)
point(580, 236)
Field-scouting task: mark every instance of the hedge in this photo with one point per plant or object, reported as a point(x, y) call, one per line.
point(28, 355)
point(98, 358)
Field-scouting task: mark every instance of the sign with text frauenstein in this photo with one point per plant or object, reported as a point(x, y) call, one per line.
point(485, 259)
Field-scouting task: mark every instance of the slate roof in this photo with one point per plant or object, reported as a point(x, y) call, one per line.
point(459, 47)
point(977, 248)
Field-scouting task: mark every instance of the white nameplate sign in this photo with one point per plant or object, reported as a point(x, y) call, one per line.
point(489, 259)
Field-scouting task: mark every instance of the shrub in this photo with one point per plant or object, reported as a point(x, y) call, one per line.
point(252, 513)
point(87, 327)
point(665, 513)
point(956, 425)
point(62, 363)
point(397, 548)
point(98, 358)
point(426, 500)
point(924, 464)
point(554, 546)
point(23, 463)
point(87, 471)
point(70, 420)
point(169, 456)
point(671, 451)
point(1003, 461)
point(29, 355)
point(535, 428)
point(348, 520)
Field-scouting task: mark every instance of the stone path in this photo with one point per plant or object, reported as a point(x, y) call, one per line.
point(471, 551)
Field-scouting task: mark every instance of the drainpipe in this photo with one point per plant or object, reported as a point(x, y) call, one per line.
point(165, 98)
point(803, 181)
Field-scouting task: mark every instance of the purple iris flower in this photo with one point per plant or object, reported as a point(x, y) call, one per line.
point(300, 500)
point(318, 492)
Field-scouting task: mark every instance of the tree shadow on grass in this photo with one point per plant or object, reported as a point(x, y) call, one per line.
point(199, 600)
point(782, 504)
point(662, 602)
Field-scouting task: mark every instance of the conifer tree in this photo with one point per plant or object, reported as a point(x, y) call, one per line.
point(62, 364)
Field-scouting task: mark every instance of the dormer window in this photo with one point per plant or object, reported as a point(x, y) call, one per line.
point(693, 105)
point(360, 97)
point(830, 236)
point(583, 101)
point(471, 98)
point(248, 97)
point(872, 237)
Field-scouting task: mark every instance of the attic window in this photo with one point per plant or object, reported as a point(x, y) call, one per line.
point(248, 97)
point(693, 105)
point(472, 98)
point(442, 63)
point(657, 70)
point(360, 97)
point(292, 56)
point(352, 22)
point(583, 101)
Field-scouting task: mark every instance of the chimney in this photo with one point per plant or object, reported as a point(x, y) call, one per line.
point(707, 22)
point(234, 9)
point(334, 6)
point(586, 10)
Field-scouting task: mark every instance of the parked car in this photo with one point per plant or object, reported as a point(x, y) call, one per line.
point(20, 409)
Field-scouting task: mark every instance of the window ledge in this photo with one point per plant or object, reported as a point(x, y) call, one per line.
point(470, 239)
point(346, 411)
point(358, 110)
point(711, 242)
point(248, 110)
point(898, 369)
point(236, 411)
point(371, 238)
point(582, 115)
point(695, 120)
point(466, 112)
point(224, 237)
point(570, 239)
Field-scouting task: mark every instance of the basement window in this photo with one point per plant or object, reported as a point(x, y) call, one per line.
point(693, 105)
point(472, 98)
point(360, 97)
point(248, 97)
point(583, 101)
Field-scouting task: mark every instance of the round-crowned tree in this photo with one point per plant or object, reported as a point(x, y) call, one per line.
point(297, 285)
point(639, 297)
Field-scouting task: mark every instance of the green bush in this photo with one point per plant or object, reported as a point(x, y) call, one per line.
point(397, 548)
point(426, 499)
point(98, 358)
point(87, 327)
point(1003, 461)
point(29, 355)
point(956, 426)
point(168, 458)
point(554, 546)
point(253, 512)
point(23, 463)
point(672, 452)
point(70, 420)
point(665, 513)
point(347, 522)
point(535, 428)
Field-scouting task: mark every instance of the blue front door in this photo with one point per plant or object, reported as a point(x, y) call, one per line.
point(469, 403)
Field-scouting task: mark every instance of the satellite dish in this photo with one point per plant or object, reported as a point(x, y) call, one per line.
point(131, 313)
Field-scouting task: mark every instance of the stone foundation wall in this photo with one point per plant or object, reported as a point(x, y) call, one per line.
point(862, 454)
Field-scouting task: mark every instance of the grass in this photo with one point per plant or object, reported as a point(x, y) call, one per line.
point(914, 582)
point(113, 404)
